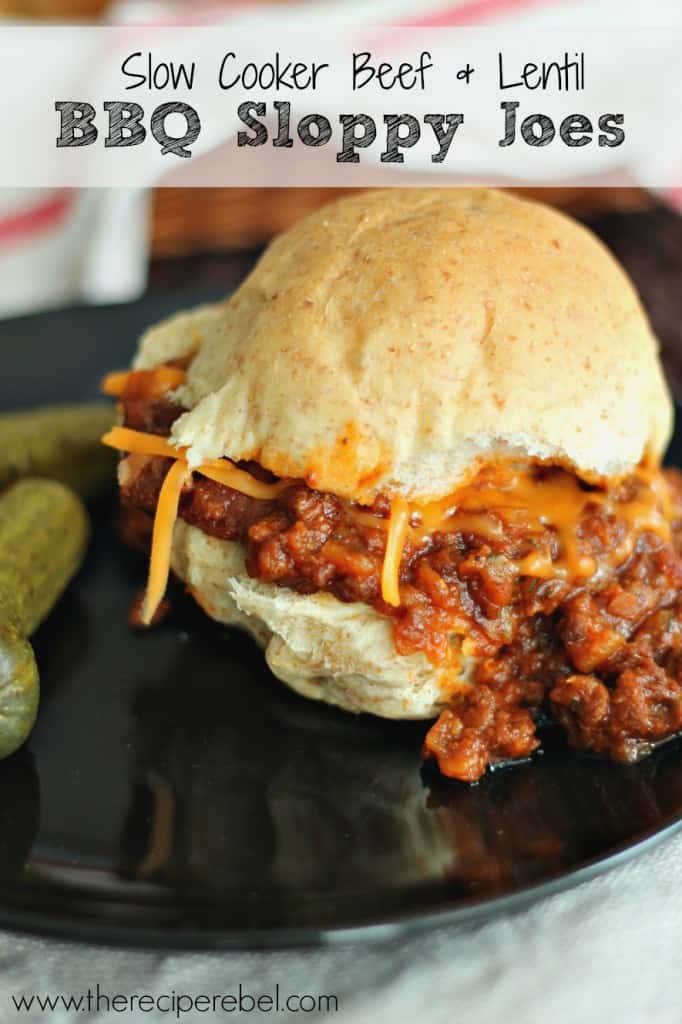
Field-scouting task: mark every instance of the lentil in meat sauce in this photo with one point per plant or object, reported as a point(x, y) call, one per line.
point(603, 658)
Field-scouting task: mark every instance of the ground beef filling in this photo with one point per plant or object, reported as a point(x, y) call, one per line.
point(604, 659)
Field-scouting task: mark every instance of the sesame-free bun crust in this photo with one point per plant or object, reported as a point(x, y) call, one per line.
point(395, 339)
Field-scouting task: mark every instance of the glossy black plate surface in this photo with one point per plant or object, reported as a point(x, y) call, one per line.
point(173, 792)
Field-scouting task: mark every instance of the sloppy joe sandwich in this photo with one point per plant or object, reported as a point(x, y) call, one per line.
point(417, 455)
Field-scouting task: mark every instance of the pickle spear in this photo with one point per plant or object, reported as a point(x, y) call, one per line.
point(44, 532)
point(60, 442)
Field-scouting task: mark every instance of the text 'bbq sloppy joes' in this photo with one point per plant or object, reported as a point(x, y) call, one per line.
point(417, 456)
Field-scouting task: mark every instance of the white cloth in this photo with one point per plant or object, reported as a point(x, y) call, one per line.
point(607, 950)
point(63, 246)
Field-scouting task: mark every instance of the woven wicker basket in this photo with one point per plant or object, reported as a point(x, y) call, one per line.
point(48, 10)
point(212, 219)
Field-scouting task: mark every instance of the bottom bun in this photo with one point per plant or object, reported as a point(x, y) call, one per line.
point(325, 650)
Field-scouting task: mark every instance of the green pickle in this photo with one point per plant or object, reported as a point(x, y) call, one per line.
point(44, 531)
point(61, 442)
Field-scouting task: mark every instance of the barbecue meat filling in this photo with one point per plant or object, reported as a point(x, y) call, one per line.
point(603, 658)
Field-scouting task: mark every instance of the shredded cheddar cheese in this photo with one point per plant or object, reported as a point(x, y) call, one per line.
point(504, 494)
point(395, 543)
point(162, 538)
point(224, 472)
point(126, 440)
point(114, 383)
point(147, 384)
point(221, 470)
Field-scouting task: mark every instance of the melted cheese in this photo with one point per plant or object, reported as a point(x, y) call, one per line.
point(515, 496)
point(501, 495)
point(558, 500)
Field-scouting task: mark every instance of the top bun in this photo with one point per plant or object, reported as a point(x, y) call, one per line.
point(394, 340)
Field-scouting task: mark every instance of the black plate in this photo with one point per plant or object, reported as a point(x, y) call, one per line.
point(174, 793)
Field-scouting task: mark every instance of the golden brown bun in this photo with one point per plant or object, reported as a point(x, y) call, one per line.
point(394, 339)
